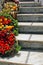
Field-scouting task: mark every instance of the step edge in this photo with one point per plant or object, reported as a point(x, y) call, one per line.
point(29, 2)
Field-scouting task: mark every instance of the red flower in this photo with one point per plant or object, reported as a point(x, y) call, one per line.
point(6, 47)
point(2, 51)
point(4, 20)
point(2, 17)
point(7, 40)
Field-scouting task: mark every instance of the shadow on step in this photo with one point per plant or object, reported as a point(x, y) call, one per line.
point(33, 49)
point(32, 32)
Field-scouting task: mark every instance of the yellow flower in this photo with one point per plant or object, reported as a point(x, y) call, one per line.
point(5, 19)
point(9, 27)
point(0, 20)
point(1, 25)
point(14, 7)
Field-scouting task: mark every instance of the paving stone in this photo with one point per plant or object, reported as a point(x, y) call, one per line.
point(37, 24)
point(36, 58)
point(24, 24)
point(17, 59)
point(23, 37)
point(37, 38)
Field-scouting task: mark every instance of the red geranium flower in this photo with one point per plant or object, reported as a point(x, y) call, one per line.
point(4, 20)
point(7, 41)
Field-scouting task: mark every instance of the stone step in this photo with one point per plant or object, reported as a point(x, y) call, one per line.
point(18, 59)
point(30, 17)
point(31, 10)
point(35, 58)
point(24, 58)
point(29, 4)
point(26, 0)
point(26, 27)
point(30, 40)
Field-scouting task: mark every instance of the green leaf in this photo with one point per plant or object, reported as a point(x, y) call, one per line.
point(7, 52)
point(17, 29)
point(18, 48)
point(15, 32)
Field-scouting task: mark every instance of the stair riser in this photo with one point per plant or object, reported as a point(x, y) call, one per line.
point(27, 44)
point(25, 0)
point(29, 18)
point(30, 4)
point(5, 63)
point(11, 63)
point(31, 10)
point(33, 29)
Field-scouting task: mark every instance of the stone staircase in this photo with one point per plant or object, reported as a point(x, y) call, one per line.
point(30, 36)
point(29, 4)
point(30, 19)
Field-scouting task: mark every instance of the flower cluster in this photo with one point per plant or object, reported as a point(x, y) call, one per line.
point(7, 35)
point(9, 28)
point(7, 40)
point(4, 20)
